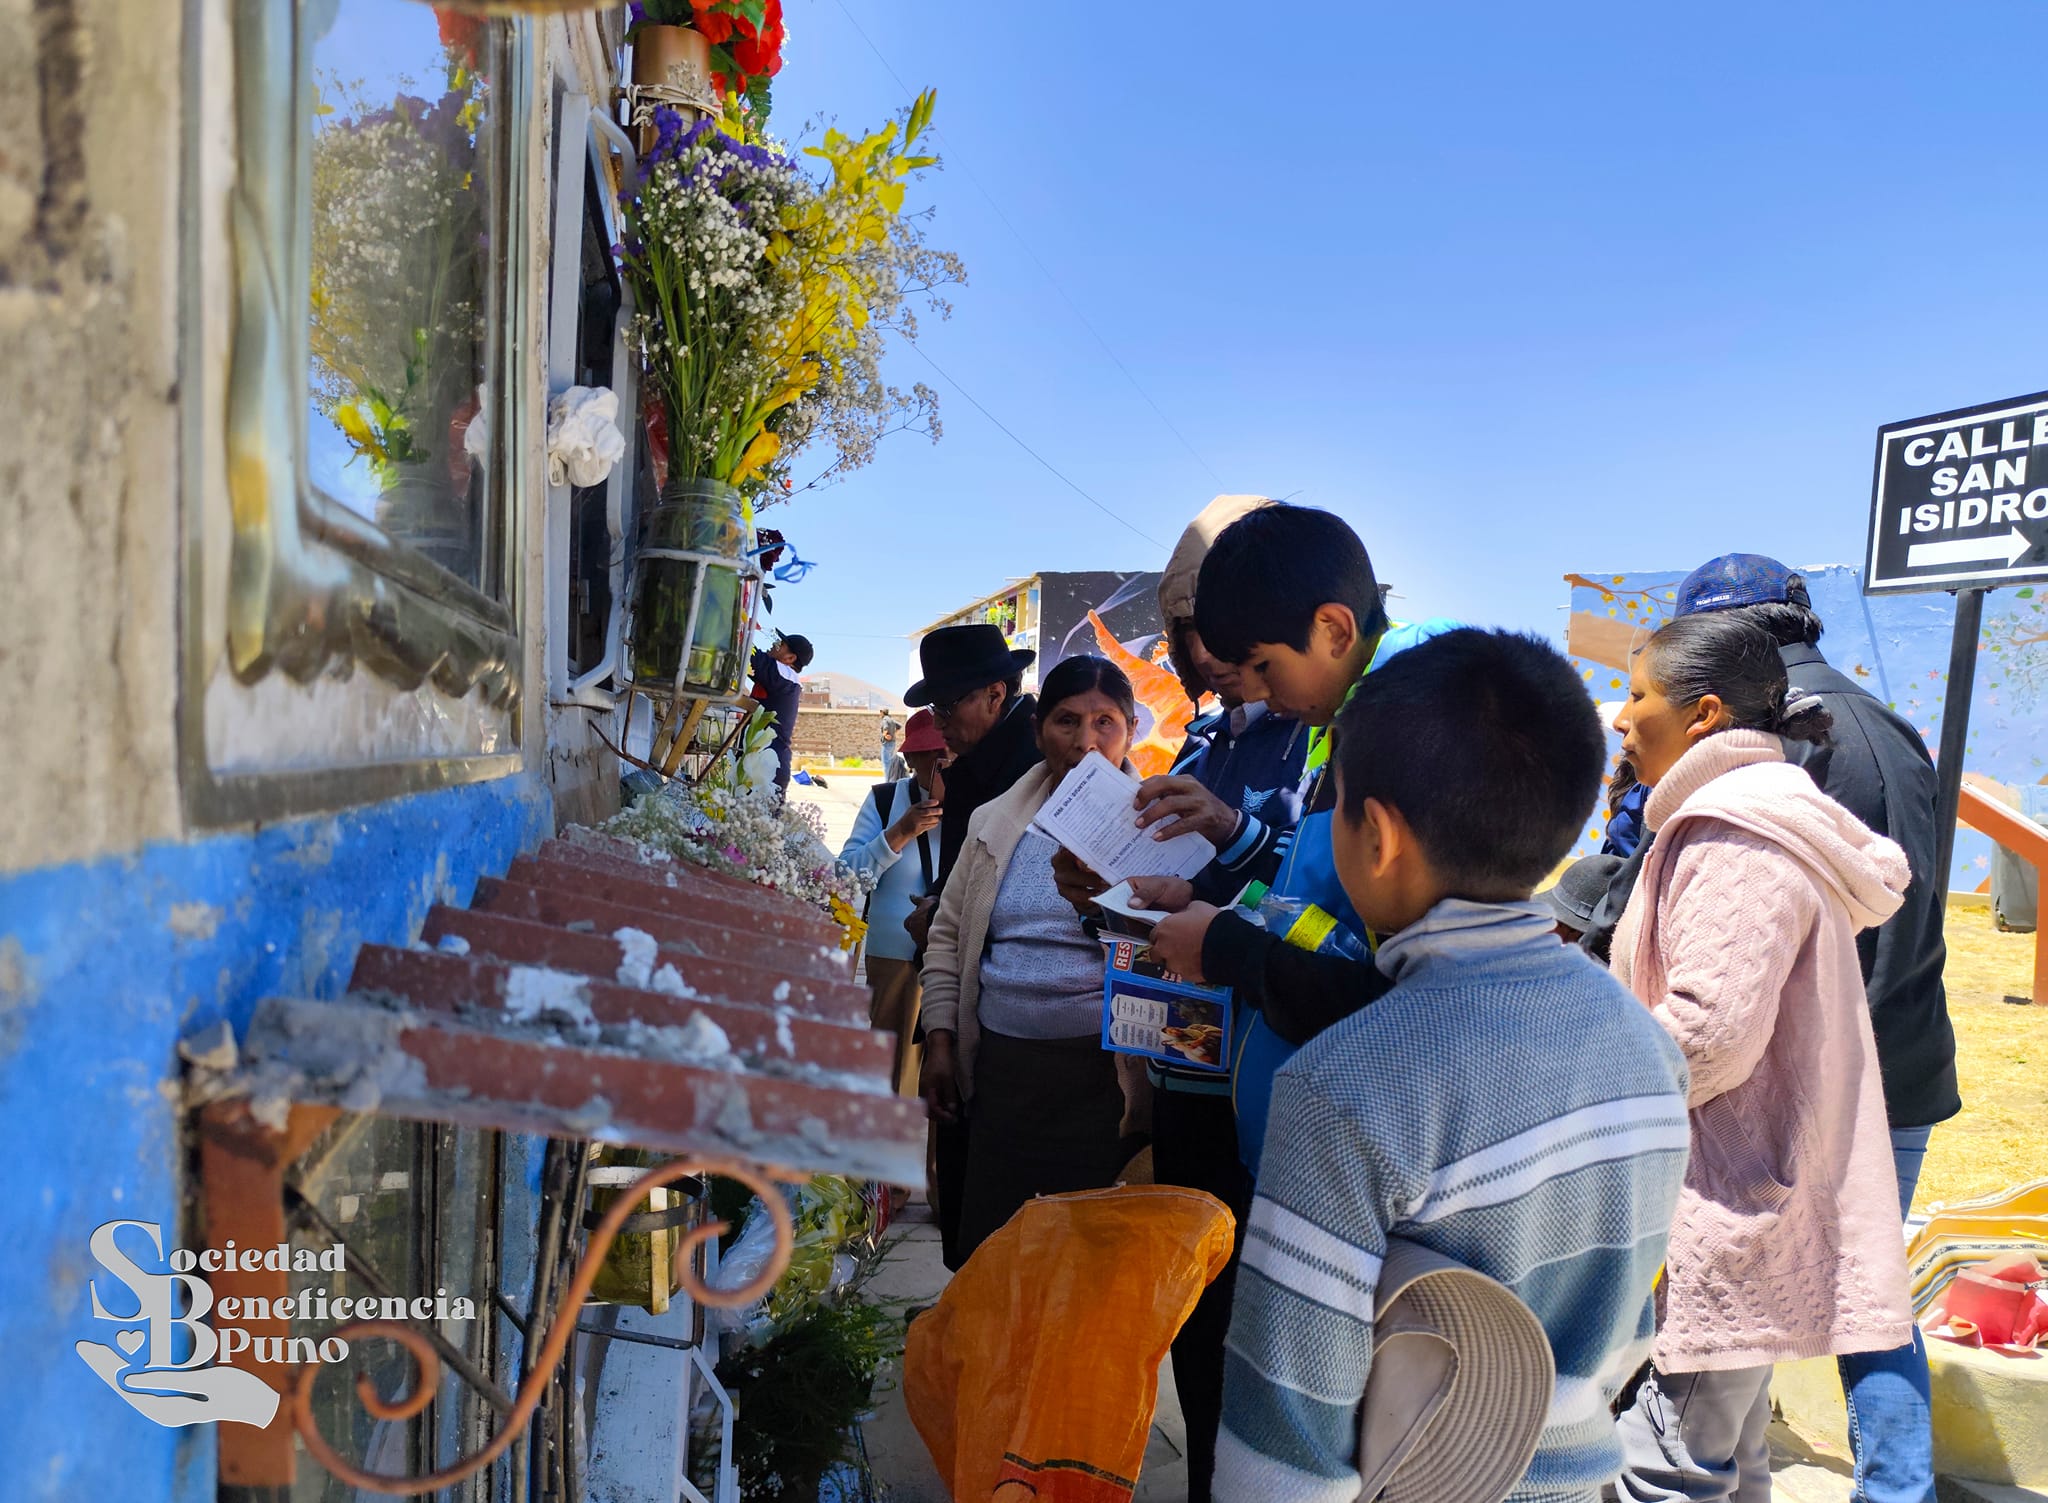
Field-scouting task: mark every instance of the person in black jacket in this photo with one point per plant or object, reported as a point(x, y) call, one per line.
point(974, 682)
point(1878, 768)
point(777, 687)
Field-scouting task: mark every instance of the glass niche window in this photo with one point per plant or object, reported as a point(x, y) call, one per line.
point(351, 611)
point(406, 152)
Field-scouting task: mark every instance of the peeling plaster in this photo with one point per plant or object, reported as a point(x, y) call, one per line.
point(195, 920)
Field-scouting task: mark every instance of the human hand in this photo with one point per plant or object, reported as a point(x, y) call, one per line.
point(937, 1081)
point(1177, 940)
point(1077, 884)
point(913, 822)
point(1169, 893)
point(918, 922)
point(1182, 806)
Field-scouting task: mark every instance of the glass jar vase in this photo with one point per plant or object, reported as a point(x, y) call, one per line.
point(693, 594)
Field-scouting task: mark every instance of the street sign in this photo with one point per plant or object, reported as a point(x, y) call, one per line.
point(1961, 500)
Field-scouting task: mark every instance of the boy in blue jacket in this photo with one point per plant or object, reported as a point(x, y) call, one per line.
point(1288, 595)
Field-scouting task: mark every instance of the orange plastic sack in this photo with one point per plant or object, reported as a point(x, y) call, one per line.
point(1035, 1375)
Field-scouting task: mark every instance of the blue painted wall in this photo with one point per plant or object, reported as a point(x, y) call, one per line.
point(104, 965)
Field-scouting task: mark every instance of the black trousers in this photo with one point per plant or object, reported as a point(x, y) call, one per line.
point(1046, 1114)
point(949, 1183)
point(1194, 1145)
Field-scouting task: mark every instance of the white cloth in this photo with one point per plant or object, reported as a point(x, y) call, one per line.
point(584, 440)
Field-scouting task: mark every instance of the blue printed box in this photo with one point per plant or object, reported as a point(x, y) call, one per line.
point(1150, 1011)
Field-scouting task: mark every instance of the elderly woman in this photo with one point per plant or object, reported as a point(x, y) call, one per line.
point(1741, 938)
point(1013, 984)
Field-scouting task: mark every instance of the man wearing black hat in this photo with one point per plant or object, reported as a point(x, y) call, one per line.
point(777, 686)
point(974, 682)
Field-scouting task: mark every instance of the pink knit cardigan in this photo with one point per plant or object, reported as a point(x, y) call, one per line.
point(1741, 938)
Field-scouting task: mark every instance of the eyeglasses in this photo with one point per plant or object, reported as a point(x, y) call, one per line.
point(945, 709)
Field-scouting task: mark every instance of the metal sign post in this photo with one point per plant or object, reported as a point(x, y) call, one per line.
point(1959, 502)
point(1955, 731)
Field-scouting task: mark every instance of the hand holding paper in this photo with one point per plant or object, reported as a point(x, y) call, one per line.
point(1092, 814)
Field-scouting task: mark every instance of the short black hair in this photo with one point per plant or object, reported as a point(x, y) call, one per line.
point(1077, 675)
point(1490, 747)
point(1268, 573)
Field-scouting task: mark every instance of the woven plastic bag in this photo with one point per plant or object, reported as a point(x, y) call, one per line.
point(1035, 1375)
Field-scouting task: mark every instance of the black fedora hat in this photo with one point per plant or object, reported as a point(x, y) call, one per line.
point(960, 659)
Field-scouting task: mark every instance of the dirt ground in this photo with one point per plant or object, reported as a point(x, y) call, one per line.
point(2001, 1138)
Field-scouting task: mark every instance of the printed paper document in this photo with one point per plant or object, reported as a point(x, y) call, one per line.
point(1094, 815)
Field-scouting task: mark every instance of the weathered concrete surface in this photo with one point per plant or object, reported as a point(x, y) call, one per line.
point(1990, 1412)
point(88, 462)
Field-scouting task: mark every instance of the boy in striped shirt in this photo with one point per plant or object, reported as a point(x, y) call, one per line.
point(1506, 1103)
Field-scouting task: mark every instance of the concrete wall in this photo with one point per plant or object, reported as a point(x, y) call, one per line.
point(89, 98)
point(838, 733)
point(124, 927)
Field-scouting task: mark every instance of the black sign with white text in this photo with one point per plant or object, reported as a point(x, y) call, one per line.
point(1961, 500)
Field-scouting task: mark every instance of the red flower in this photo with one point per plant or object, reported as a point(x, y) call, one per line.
point(460, 33)
point(763, 53)
point(713, 22)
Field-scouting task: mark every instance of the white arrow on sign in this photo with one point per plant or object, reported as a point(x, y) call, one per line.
point(2006, 550)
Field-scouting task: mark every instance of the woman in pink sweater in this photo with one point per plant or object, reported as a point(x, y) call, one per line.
point(1741, 938)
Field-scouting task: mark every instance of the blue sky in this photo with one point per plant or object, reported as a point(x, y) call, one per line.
point(1515, 289)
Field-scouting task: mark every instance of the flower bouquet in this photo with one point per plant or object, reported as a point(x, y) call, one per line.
point(397, 297)
point(747, 832)
point(764, 297)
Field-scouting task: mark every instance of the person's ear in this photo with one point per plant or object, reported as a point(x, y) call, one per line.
point(1386, 837)
point(1708, 716)
point(1338, 627)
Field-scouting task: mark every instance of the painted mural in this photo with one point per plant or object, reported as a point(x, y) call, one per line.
point(1117, 616)
point(1897, 646)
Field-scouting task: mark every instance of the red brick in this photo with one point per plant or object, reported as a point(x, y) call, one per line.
point(561, 907)
point(697, 904)
point(533, 1085)
point(497, 936)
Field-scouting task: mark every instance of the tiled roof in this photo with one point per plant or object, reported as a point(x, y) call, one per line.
point(597, 992)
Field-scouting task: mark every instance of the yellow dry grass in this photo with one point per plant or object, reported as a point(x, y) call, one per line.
point(2001, 1137)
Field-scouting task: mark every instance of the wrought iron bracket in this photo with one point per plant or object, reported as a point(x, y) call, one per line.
point(243, 1167)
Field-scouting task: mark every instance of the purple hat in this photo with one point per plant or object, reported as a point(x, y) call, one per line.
point(1736, 579)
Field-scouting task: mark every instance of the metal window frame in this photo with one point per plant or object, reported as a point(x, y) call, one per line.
point(309, 582)
point(586, 138)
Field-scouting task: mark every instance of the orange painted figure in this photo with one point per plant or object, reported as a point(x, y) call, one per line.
point(1160, 694)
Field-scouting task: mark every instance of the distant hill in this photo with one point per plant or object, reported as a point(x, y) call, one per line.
point(849, 692)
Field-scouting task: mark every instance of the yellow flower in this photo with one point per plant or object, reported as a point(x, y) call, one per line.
point(760, 454)
point(851, 925)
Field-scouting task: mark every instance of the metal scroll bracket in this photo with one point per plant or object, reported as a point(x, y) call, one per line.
point(243, 1167)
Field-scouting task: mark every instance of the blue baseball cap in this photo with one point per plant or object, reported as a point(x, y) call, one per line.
point(1736, 579)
